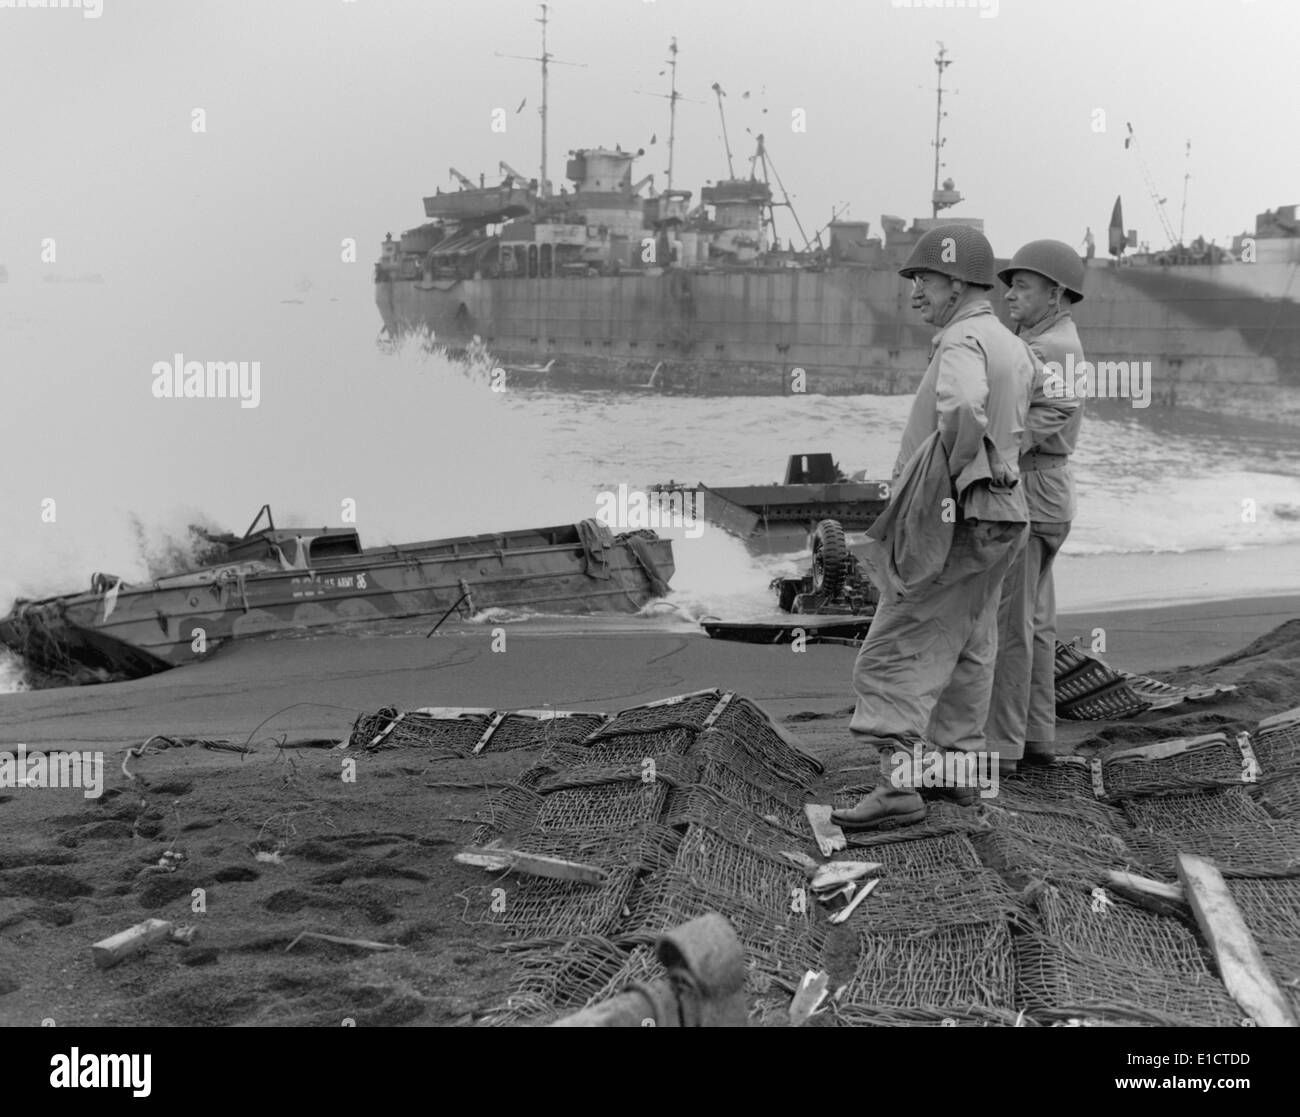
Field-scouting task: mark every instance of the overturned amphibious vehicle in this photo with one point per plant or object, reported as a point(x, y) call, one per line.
point(274, 579)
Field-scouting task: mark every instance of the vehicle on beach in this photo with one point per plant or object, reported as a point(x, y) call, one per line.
point(834, 602)
point(273, 579)
point(782, 517)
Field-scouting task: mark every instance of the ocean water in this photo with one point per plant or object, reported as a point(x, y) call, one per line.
point(100, 475)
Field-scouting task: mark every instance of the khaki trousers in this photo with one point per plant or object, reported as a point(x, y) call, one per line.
point(925, 670)
point(1023, 707)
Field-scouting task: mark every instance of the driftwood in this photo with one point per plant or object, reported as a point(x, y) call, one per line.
point(496, 859)
point(1241, 965)
point(110, 951)
point(363, 944)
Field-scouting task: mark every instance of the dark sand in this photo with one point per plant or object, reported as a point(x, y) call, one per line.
point(372, 858)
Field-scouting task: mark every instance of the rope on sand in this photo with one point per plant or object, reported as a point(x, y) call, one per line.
point(160, 741)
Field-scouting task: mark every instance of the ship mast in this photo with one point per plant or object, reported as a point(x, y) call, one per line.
point(941, 63)
point(672, 109)
point(543, 184)
point(672, 97)
point(543, 191)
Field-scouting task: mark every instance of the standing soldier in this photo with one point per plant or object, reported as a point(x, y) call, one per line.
point(956, 520)
point(1045, 279)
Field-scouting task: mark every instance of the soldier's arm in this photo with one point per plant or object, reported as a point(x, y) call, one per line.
point(962, 387)
point(1046, 415)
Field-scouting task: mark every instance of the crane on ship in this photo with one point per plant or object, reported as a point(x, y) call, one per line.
point(1130, 141)
point(763, 156)
point(726, 143)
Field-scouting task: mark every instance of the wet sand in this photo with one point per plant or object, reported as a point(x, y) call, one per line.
point(372, 858)
point(316, 685)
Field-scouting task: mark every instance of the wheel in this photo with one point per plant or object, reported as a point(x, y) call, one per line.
point(787, 589)
point(830, 558)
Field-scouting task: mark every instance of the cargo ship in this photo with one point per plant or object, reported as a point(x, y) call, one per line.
point(614, 283)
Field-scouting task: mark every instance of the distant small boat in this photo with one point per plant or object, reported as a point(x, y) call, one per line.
point(778, 518)
point(275, 579)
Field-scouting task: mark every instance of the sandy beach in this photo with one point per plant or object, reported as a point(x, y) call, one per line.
point(373, 858)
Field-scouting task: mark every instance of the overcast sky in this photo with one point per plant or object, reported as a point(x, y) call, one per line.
point(329, 118)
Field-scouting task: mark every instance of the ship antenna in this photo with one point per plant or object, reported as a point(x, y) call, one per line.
point(672, 98)
point(1187, 177)
point(546, 58)
point(672, 109)
point(941, 63)
point(543, 184)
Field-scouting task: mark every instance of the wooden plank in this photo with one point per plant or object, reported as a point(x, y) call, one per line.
point(534, 864)
point(830, 837)
point(808, 998)
point(1241, 966)
point(110, 951)
point(1280, 721)
point(497, 719)
point(1098, 785)
point(1155, 895)
point(838, 873)
point(863, 893)
point(1162, 750)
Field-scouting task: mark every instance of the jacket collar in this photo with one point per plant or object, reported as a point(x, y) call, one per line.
point(1028, 333)
point(972, 309)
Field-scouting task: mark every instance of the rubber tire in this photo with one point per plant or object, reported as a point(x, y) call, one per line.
point(830, 558)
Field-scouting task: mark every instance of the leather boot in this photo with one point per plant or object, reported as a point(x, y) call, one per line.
point(1039, 752)
point(885, 806)
point(962, 796)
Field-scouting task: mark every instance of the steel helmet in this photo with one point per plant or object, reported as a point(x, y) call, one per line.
point(957, 251)
point(1052, 259)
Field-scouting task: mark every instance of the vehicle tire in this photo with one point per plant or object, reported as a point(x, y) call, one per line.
point(786, 591)
point(830, 558)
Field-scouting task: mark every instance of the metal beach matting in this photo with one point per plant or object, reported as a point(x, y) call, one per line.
point(1000, 914)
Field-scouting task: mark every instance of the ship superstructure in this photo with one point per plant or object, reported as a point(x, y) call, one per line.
point(608, 280)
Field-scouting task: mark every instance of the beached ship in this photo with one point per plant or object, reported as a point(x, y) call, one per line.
point(605, 281)
point(275, 579)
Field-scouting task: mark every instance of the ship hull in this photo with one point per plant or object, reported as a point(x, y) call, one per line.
point(1219, 336)
point(139, 630)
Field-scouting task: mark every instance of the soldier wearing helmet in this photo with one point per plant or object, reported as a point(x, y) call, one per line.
point(1045, 278)
point(923, 675)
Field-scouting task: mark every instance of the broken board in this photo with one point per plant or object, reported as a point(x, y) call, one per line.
point(780, 628)
point(830, 838)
